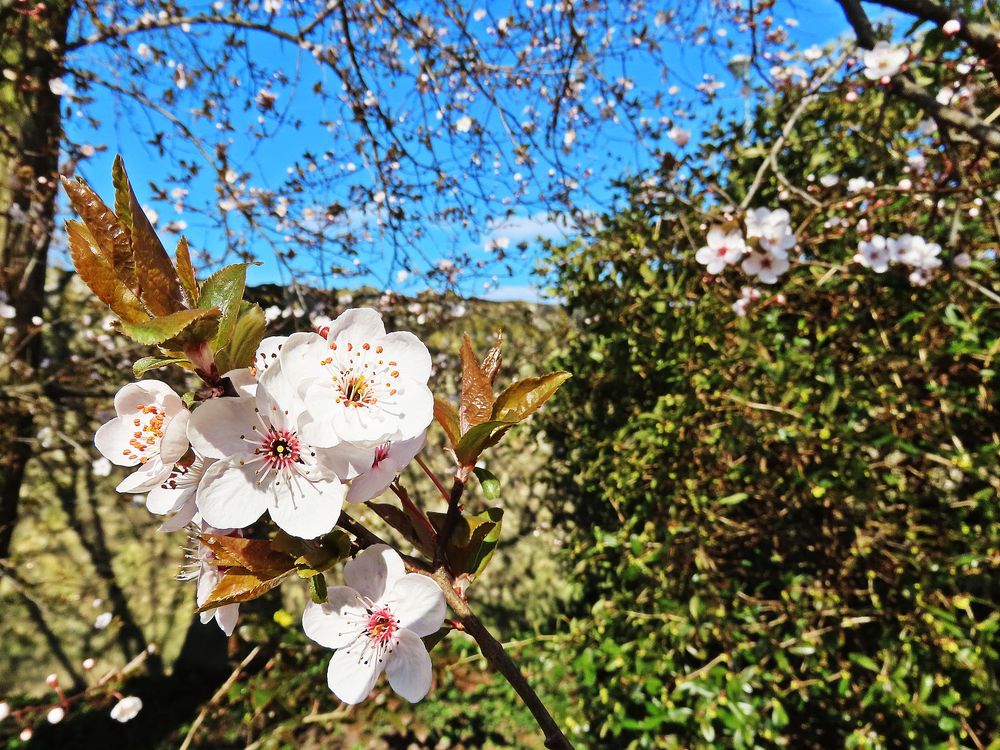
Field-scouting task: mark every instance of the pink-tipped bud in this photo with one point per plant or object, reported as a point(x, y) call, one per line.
point(851, 97)
point(952, 27)
point(885, 80)
point(26, 734)
point(52, 680)
point(780, 298)
point(88, 664)
point(56, 715)
point(4, 710)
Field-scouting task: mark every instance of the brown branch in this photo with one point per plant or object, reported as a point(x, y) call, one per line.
point(452, 516)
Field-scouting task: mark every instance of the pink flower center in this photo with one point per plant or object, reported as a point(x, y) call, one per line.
point(381, 454)
point(722, 251)
point(280, 449)
point(382, 626)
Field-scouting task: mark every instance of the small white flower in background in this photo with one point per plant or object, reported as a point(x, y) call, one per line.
point(362, 385)
point(962, 260)
point(884, 61)
point(126, 709)
point(927, 126)
point(722, 249)
point(859, 184)
point(951, 27)
point(680, 136)
point(26, 734)
point(463, 124)
point(915, 251)
point(812, 54)
point(103, 620)
point(56, 715)
point(829, 180)
point(7, 312)
point(272, 6)
point(150, 431)
point(955, 96)
point(569, 137)
point(873, 254)
point(376, 622)
point(767, 267)
point(58, 86)
point(919, 277)
point(772, 229)
point(387, 461)
point(271, 314)
point(101, 467)
point(4, 710)
point(88, 664)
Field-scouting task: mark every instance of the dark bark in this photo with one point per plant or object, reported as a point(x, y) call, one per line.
point(30, 130)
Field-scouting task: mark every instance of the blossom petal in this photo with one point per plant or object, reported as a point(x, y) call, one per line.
point(336, 623)
point(146, 393)
point(217, 424)
point(358, 324)
point(226, 617)
point(174, 443)
point(351, 674)
point(152, 474)
point(304, 508)
point(112, 438)
point(418, 604)
point(374, 571)
point(372, 483)
point(410, 354)
point(408, 667)
point(229, 496)
point(181, 518)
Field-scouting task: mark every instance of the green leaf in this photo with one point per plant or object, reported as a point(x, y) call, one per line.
point(317, 589)
point(483, 552)
point(478, 439)
point(160, 330)
point(523, 398)
point(247, 335)
point(224, 290)
point(447, 416)
point(144, 365)
point(159, 288)
point(489, 483)
point(473, 540)
point(734, 499)
point(98, 274)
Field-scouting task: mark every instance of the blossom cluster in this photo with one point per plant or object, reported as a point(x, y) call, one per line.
point(321, 418)
point(907, 249)
point(762, 251)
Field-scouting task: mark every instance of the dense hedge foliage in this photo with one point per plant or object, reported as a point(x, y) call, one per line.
point(786, 524)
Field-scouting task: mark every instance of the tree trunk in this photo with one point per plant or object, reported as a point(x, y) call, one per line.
point(34, 36)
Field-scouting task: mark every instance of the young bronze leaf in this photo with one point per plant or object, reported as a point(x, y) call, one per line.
point(224, 290)
point(493, 359)
point(96, 271)
point(123, 192)
point(240, 585)
point(256, 555)
point(110, 235)
point(185, 271)
point(247, 335)
point(523, 398)
point(447, 416)
point(163, 329)
point(159, 288)
point(477, 391)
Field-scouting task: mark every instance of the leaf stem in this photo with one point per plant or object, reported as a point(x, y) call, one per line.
point(412, 509)
point(452, 516)
point(433, 477)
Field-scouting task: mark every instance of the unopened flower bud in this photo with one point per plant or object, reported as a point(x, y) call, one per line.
point(56, 715)
point(26, 734)
point(4, 710)
point(52, 680)
point(88, 664)
point(851, 97)
point(951, 27)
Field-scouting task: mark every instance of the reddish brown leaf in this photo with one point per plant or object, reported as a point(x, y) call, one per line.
point(493, 359)
point(185, 271)
point(477, 391)
point(240, 585)
point(111, 235)
point(159, 287)
point(96, 271)
point(256, 555)
point(447, 416)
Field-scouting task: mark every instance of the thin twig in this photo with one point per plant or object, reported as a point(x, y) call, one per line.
point(218, 696)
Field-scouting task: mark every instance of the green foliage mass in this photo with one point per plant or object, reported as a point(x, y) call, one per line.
point(785, 524)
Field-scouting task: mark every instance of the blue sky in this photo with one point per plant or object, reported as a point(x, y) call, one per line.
point(123, 131)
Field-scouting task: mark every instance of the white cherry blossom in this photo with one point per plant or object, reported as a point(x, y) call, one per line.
point(265, 463)
point(883, 61)
point(175, 495)
point(915, 251)
point(767, 268)
point(376, 622)
point(873, 254)
point(772, 229)
point(150, 431)
point(361, 384)
point(722, 249)
point(203, 569)
point(387, 461)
